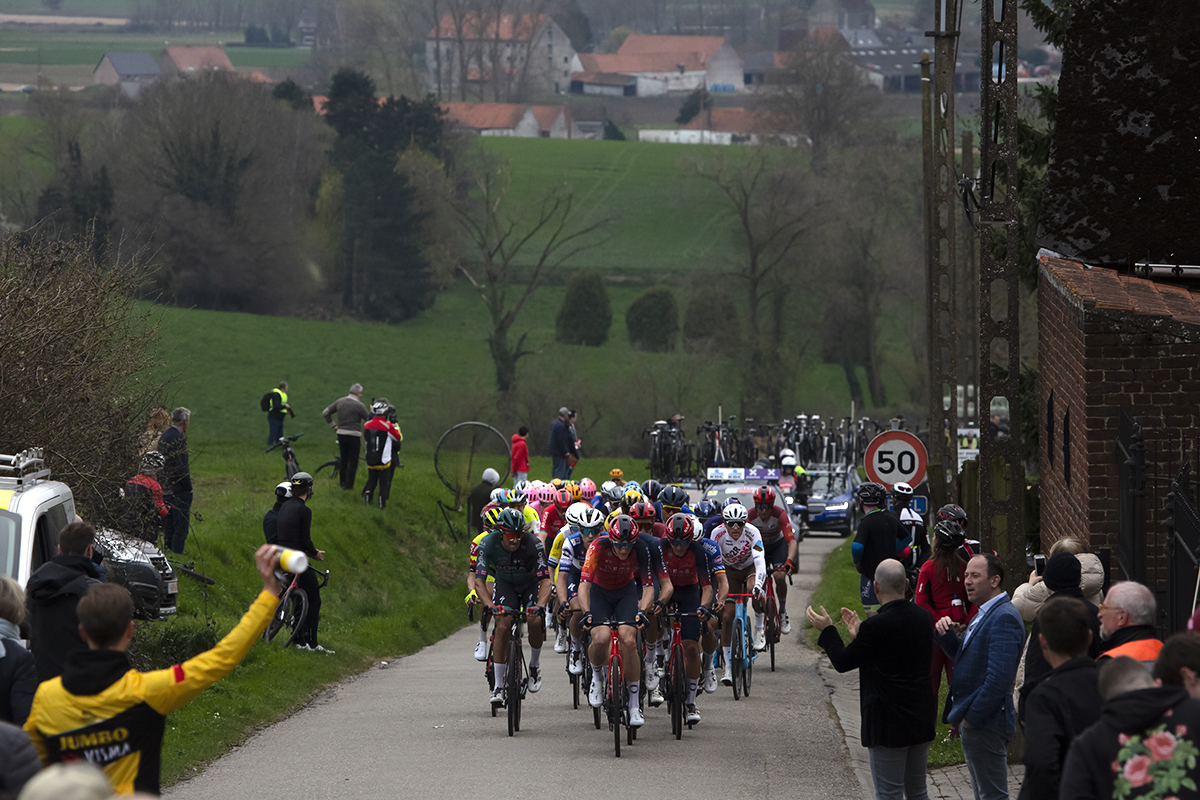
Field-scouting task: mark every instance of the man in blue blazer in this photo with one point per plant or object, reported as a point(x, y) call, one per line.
point(985, 657)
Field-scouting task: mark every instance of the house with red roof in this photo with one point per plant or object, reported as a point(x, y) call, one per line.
point(193, 60)
point(497, 58)
point(511, 119)
point(659, 64)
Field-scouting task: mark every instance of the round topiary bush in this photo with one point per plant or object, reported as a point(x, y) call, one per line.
point(586, 313)
point(653, 320)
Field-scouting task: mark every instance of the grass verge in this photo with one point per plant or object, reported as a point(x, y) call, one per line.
point(840, 587)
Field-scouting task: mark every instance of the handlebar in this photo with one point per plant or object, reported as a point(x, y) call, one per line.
point(283, 440)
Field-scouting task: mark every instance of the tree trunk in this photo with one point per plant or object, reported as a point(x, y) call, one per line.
point(504, 359)
point(874, 379)
point(856, 393)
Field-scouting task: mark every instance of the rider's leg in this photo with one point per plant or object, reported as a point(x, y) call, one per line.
point(500, 648)
point(631, 663)
point(781, 590)
point(537, 637)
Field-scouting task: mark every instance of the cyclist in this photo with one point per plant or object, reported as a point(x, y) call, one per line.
point(472, 599)
point(608, 592)
point(746, 569)
point(902, 495)
point(585, 524)
point(515, 559)
point(687, 567)
point(629, 499)
point(650, 491)
point(718, 579)
point(616, 476)
point(294, 527)
point(516, 499)
point(651, 534)
point(880, 536)
point(382, 439)
point(705, 510)
point(718, 519)
point(555, 515)
point(495, 501)
point(672, 500)
point(555, 554)
point(779, 541)
point(800, 487)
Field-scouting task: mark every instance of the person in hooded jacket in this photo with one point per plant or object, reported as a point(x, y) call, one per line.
point(1143, 741)
point(18, 675)
point(519, 466)
point(51, 595)
point(283, 493)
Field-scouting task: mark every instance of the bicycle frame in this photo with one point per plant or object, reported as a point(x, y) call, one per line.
point(676, 691)
point(745, 644)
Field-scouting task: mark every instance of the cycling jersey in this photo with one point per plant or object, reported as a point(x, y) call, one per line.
point(572, 556)
point(605, 569)
point(556, 550)
point(651, 541)
point(774, 527)
point(711, 524)
point(532, 523)
point(475, 548)
point(103, 712)
point(689, 569)
point(715, 563)
point(880, 536)
point(742, 552)
point(526, 563)
point(552, 521)
point(914, 525)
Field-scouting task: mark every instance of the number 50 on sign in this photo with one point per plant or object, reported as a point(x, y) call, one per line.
point(895, 457)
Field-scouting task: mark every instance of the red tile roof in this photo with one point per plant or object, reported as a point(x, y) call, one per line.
point(1098, 287)
point(640, 62)
point(520, 28)
point(702, 47)
point(196, 59)
point(726, 120)
point(485, 116)
point(548, 115)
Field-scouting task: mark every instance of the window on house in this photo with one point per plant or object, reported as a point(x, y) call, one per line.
point(1050, 429)
point(1066, 447)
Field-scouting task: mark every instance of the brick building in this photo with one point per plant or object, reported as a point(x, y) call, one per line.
point(1113, 344)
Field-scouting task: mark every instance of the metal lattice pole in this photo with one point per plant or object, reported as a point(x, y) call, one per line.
point(1001, 469)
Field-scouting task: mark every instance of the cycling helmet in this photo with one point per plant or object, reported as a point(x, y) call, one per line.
point(731, 501)
point(491, 517)
point(697, 529)
point(633, 485)
point(522, 486)
point(651, 489)
point(623, 530)
point(705, 509)
point(951, 512)
point(153, 461)
point(574, 514)
point(380, 407)
point(591, 521)
point(902, 490)
point(613, 493)
point(491, 476)
point(764, 496)
point(497, 495)
point(787, 452)
point(950, 534)
point(673, 497)
point(562, 499)
point(630, 497)
point(573, 489)
point(787, 461)
point(557, 483)
point(679, 528)
point(615, 472)
point(587, 489)
point(302, 481)
point(642, 511)
point(871, 494)
point(511, 522)
point(734, 512)
point(283, 490)
point(517, 497)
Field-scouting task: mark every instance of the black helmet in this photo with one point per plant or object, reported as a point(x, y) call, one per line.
point(679, 528)
point(651, 489)
point(705, 509)
point(301, 482)
point(153, 461)
point(951, 512)
point(871, 494)
point(950, 534)
point(673, 497)
point(510, 521)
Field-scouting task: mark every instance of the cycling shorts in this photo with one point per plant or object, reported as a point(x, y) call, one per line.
point(572, 588)
point(687, 599)
point(741, 581)
point(615, 604)
point(514, 595)
point(776, 554)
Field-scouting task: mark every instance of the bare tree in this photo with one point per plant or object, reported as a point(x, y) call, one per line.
point(534, 240)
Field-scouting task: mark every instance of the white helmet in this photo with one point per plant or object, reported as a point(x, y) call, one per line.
point(903, 489)
point(697, 528)
point(734, 512)
point(284, 490)
point(786, 452)
point(788, 461)
point(590, 518)
point(574, 513)
point(521, 486)
point(497, 495)
point(491, 476)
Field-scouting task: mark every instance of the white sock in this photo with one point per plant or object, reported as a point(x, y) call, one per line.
point(692, 686)
point(707, 661)
point(759, 622)
point(535, 656)
point(725, 651)
point(483, 632)
point(576, 645)
point(635, 688)
point(500, 671)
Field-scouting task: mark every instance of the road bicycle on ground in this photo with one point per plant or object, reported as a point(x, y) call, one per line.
point(675, 681)
point(742, 654)
point(290, 464)
point(516, 680)
point(616, 696)
point(772, 619)
point(292, 610)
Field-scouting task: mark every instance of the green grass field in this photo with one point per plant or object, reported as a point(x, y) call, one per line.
point(87, 47)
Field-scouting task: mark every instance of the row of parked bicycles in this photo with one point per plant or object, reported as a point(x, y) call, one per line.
point(675, 458)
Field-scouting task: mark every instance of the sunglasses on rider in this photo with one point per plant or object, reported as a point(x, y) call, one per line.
point(622, 545)
point(735, 523)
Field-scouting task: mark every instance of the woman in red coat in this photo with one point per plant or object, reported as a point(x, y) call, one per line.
point(940, 589)
point(520, 455)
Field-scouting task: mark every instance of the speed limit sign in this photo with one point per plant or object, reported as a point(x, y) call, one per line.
point(896, 457)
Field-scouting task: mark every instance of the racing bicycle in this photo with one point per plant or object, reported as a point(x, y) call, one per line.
point(290, 465)
point(292, 610)
point(616, 696)
point(675, 681)
point(742, 655)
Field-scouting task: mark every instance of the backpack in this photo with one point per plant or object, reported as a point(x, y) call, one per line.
point(265, 403)
point(375, 441)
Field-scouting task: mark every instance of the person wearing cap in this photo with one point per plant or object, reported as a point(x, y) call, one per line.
point(519, 465)
point(283, 493)
point(480, 496)
point(351, 414)
point(562, 445)
point(383, 439)
point(295, 533)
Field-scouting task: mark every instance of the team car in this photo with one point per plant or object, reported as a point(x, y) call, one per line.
point(831, 505)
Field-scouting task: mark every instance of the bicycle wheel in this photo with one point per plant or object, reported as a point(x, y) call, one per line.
point(771, 620)
point(512, 686)
point(326, 465)
point(277, 620)
point(616, 702)
point(291, 466)
point(678, 690)
point(464, 451)
point(294, 615)
point(748, 672)
point(736, 658)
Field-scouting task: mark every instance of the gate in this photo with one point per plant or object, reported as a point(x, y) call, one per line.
point(1183, 548)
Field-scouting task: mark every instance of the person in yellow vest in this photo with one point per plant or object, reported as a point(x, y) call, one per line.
point(275, 414)
point(1127, 623)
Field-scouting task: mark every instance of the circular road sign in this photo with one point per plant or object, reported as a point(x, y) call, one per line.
point(896, 457)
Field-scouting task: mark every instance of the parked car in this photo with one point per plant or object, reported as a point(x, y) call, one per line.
point(831, 505)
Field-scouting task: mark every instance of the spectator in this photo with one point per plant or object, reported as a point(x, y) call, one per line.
point(278, 409)
point(1062, 578)
point(1066, 701)
point(160, 420)
point(145, 508)
point(892, 652)
point(18, 674)
point(382, 437)
point(562, 446)
point(295, 532)
point(69, 782)
point(1144, 732)
point(880, 536)
point(1178, 663)
point(19, 762)
point(985, 663)
point(351, 414)
point(940, 590)
point(480, 496)
point(1028, 597)
point(176, 479)
point(575, 441)
point(100, 694)
point(283, 493)
point(53, 592)
point(520, 455)
point(1127, 623)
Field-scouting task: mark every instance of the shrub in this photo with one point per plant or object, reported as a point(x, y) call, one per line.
point(693, 104)
point(653, 320)
point(586, 313)
point(711, 322)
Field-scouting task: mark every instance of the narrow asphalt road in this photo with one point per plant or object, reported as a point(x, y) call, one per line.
point(421, 727)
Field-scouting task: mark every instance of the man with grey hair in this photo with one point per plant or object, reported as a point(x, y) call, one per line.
point(176, 479)
point(892, 651)
point(1127, 623)
point(351, 414)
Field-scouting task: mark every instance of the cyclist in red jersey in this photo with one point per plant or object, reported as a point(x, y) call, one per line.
point(554, 516)
point(941, 590)
point(779, 544)
point(608, 592)
point(687, 567)
point(651, 533)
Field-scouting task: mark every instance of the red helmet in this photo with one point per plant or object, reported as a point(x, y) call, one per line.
point(642, 512)
point(679, 528)
point(623, 530)
point(764, 496)
point(562, 499)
